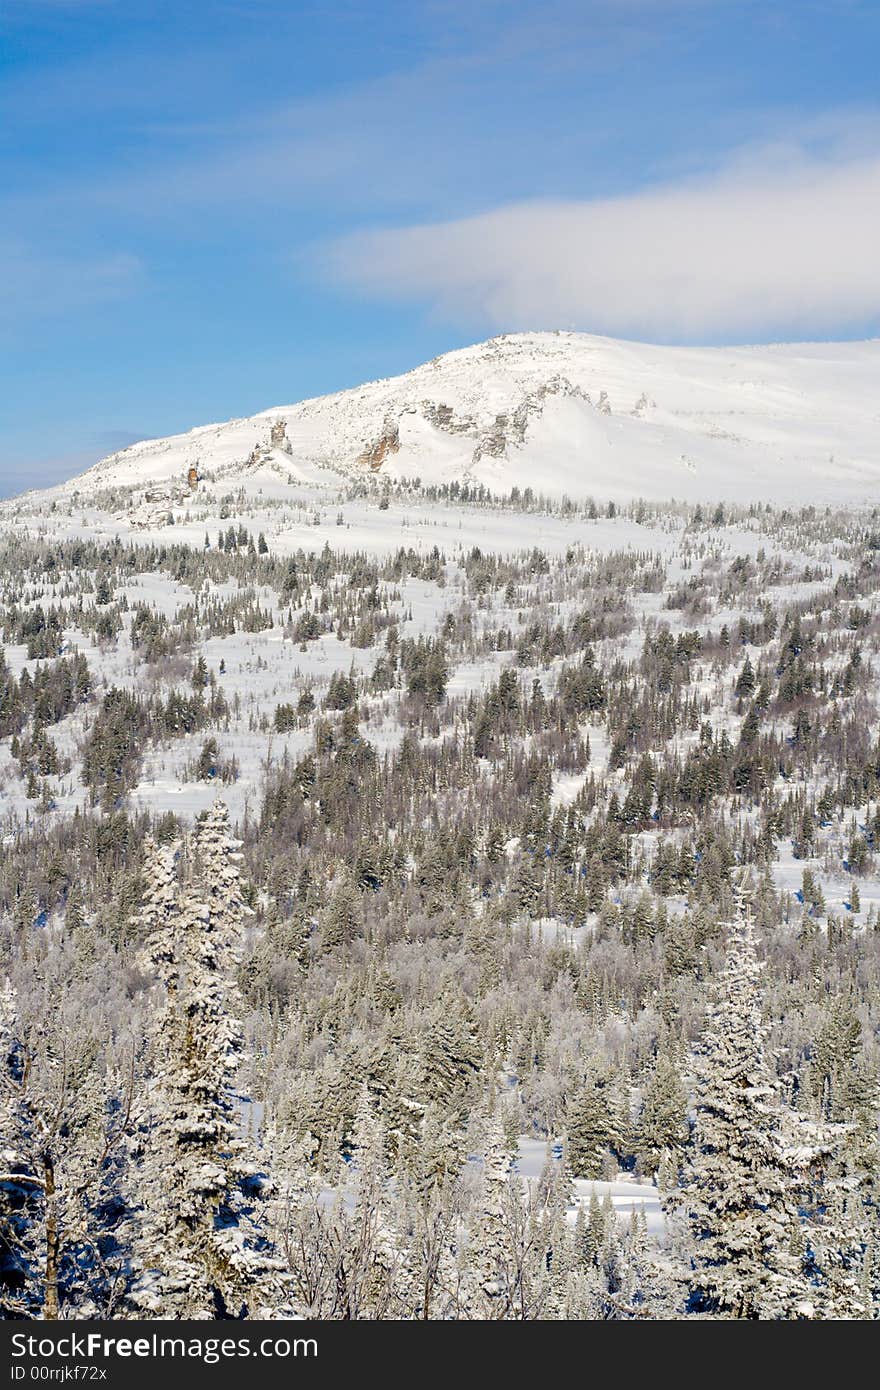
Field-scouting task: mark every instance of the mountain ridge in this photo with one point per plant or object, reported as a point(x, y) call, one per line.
point(565, 413)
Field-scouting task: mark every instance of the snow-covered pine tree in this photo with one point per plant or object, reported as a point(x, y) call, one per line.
point(373, 1265)
point(216, 869)
point(662, 1124)
point(591, 1128)
point(837, 1210)
point(483, 1259)
point(19, 1253)
point(156, 922)
point(426, 1219)
point(741, 1177)
point(201, 1252)
point(837, 1237)
point(497, 1218)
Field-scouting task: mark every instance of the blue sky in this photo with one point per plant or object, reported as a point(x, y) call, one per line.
point(210, 208)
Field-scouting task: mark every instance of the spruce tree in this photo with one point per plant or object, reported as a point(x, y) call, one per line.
point(662, 1125)
point(590, 1129)
point(201, 1251)
point(740, 1183)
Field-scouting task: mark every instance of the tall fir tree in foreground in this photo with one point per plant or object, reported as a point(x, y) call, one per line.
point(741, 1175)
point(201, 1253)
point(498, 1211)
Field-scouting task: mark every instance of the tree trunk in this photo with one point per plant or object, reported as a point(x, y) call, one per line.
point(50, 1306)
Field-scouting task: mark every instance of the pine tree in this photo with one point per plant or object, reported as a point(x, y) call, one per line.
point(427, 1220)
point(157, 920)
point(662, 1124)
point(591, 1129)
point(739, 1189)
point(201, 1252)
point(373, 1260)
point(498, 1206)
point(836, 1234)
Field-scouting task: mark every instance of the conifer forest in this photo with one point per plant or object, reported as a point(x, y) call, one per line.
point(445, 930)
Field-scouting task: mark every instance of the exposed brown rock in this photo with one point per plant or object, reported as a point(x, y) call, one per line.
point(376, 453)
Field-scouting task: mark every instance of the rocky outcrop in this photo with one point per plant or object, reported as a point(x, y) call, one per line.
point(375, 454)
point(443, 417)
point(512, 429)
point(493, 441)
point(278, 437)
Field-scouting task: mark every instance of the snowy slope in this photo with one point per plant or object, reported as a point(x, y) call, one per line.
point(568, 413)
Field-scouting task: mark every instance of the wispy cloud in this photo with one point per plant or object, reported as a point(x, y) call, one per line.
point(36, 285)
point(778, 242)
point(429, 127)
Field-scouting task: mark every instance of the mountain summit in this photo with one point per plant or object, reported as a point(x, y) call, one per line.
point(566, 413)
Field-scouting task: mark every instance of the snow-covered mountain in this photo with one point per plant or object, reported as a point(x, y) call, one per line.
point(567, 413)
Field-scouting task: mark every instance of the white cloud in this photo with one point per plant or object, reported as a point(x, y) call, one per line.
point(778, 243)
